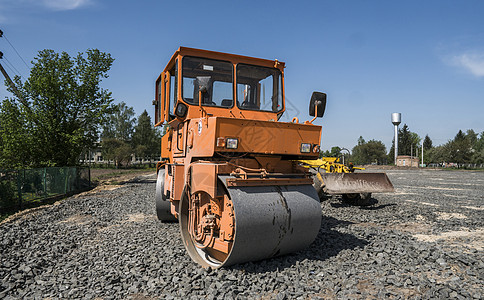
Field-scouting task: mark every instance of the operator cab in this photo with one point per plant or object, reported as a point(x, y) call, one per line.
point(228, 85)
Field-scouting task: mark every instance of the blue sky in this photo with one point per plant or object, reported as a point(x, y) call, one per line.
point(424, 59)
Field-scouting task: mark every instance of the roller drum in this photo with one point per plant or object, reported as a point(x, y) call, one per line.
point(273, 220)
point(269, 221)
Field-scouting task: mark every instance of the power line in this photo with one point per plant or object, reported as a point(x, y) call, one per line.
point(13, 67)
point(10, 68)
point(2, 35)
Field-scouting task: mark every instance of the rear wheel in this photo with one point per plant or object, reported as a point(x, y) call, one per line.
point(163, 206)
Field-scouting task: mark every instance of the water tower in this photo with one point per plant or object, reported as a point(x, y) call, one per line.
point(396, 120)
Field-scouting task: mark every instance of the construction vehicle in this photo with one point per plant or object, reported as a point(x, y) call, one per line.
point(230, 171)
point(333, 178)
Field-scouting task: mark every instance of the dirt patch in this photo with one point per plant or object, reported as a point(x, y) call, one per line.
point(31, 212)
point(137, 218)
point(448, 216)
point(78, 219)
point(98, 189)
point(411, 227)
point(420, 218)
point(473, 207)
point(457, 238)
point(106, 175)
point(116, 182)
point(442, 188)
point(132, 218)
point(420, 202)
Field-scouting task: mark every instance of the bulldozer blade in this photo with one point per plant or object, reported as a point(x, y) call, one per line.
point(352, 183)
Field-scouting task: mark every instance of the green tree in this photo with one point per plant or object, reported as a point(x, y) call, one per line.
point(146, 140)
point(335, 151)
point(404, 140)
point(436, 155)
point(65, 105)
point(472, 136)
point(459, 149)
point(15, 140)
point(478, 150)
point(116, 150)
point(120, 123)
point(408, 142)
point(427, 143)
point(369, 152)
point(480, 142)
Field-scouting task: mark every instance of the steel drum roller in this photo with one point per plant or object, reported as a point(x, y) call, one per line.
point(269, 221)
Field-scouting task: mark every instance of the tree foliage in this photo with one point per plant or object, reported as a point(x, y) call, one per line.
point(123, 136)
point(65, 107)
point(146, 139)
point(408, 143)
point(116, 150)
point(465, 148)
point(369, 152)
point(120, 123)
point(335, 152)
point(427, 143)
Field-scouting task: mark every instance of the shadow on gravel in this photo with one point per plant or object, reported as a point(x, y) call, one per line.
point(140, 180)
point(377, 207)
point(371, 205)
point(328, 243)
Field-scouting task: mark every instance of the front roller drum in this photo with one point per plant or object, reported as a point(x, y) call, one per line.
point(248, 223)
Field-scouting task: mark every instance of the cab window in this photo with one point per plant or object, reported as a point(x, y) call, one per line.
point(173, 88)
point(213, 78)
point(259, 88)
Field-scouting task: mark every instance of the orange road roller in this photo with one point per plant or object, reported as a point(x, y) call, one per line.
point(229, 171)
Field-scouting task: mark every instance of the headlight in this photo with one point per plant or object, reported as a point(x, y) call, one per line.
point(221, 142)
point(305, 148)
point(231, 143)
point(181, 110)
point(316, 149)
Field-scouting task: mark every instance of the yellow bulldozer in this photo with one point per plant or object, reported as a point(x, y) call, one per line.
point(333, 178)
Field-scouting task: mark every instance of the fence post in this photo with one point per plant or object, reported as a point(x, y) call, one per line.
point(66, 174)
point(45, 182)
point(19, 188)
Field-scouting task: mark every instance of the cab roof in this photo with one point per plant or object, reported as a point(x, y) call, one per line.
point(233, 58)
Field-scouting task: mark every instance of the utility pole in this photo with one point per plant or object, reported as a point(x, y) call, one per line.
point(422, 154)
point(12, 85)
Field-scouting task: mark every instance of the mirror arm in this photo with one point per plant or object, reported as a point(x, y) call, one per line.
point(200, 107)
point(315, 115)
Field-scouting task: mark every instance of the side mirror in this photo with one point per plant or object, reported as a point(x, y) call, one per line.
point(318, 100)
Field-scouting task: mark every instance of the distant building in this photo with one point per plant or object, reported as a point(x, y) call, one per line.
point(407, 161)
point(94, 156)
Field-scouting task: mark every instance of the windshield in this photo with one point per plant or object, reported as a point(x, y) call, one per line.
point(212, 77)
point(259, 88)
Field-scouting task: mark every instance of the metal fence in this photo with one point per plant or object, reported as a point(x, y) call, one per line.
point(24, 188)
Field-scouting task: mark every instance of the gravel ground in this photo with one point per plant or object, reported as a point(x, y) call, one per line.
point(424, 241)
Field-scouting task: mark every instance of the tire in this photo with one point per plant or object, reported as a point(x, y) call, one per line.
point(359, 199)
point(364, 199)
point(163, 206)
